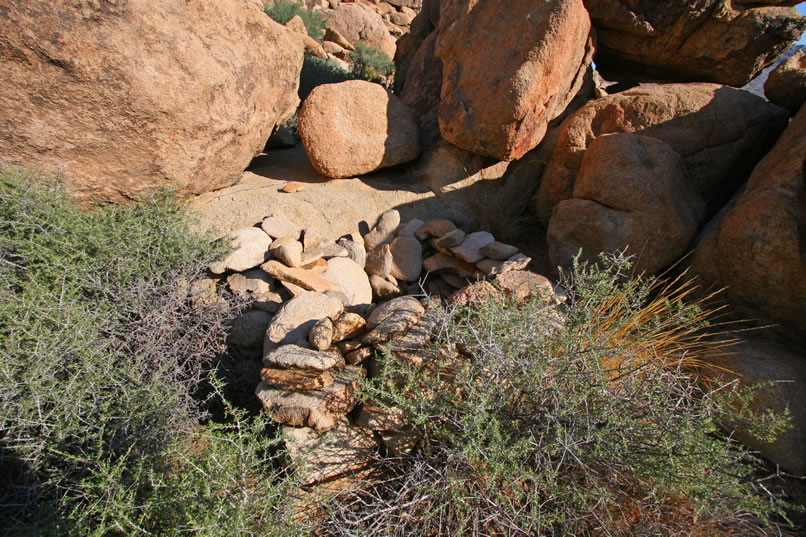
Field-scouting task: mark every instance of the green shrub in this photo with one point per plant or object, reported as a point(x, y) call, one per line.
point(283, 11)
point(317, 71)
point(103, 359)
point(371, 64)
point(575, 419)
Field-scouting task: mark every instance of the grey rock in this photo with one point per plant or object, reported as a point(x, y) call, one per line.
point(410, 228)
point(498, 250)
point(311, 238)
point(355, 251)
point(492, 267)
point(469, 249)
point(326, 250)
point(450, 239)
point(249, 328)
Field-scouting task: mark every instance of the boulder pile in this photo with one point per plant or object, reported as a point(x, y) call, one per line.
point(323, 308)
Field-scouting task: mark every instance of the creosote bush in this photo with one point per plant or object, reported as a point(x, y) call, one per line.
point(108, 369)
point(574, 418)
point(369, 63)
point(283, 11)
point(317, 71)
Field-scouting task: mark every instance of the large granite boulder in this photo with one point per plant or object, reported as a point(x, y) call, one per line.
point(705, 41)
point(490, 103)
point(358, 22)
point(755, 247)
point(719, 132)
point(786, 85)
point(355, 127)
point(122, 97)
point(631, 194)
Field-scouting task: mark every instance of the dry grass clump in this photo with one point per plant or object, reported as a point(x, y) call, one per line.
point(593, 425)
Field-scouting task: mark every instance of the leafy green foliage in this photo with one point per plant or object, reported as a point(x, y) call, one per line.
point(104, 356)
point(371, 64)
point(580, 418)
point(368, 63)
point(317, 71)
point(283, 11)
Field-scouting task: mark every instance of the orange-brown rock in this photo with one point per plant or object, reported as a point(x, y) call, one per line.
point(719, 132)
point(786, 85)
point(418, 71)
point(354, 127)
point(756, 247)
point(631, 195)
point(708, 41)
point(358, 22)
point(499, 90)
point(124, 96)
point(297, 379)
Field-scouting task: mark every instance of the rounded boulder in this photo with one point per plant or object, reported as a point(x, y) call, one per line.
point(355, 127)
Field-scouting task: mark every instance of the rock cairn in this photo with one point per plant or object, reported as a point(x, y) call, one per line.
point(322, 308)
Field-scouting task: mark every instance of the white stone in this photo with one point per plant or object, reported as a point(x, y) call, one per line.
point(352, 280)
point(469, 249)
point(251, 249)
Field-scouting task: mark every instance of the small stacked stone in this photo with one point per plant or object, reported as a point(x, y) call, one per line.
point(398, 253)
point(322, 309)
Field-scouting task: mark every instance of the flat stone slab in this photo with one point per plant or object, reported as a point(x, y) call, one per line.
point(301, 355)
point(321, 456)
point(333, 207)
point(318, 409)
point(470, 248)
point(418, 336)
point(297, 379)
point(402, 304)
point(492, 267)
point(498, 250)
point(441, 262)
point(308, 279)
